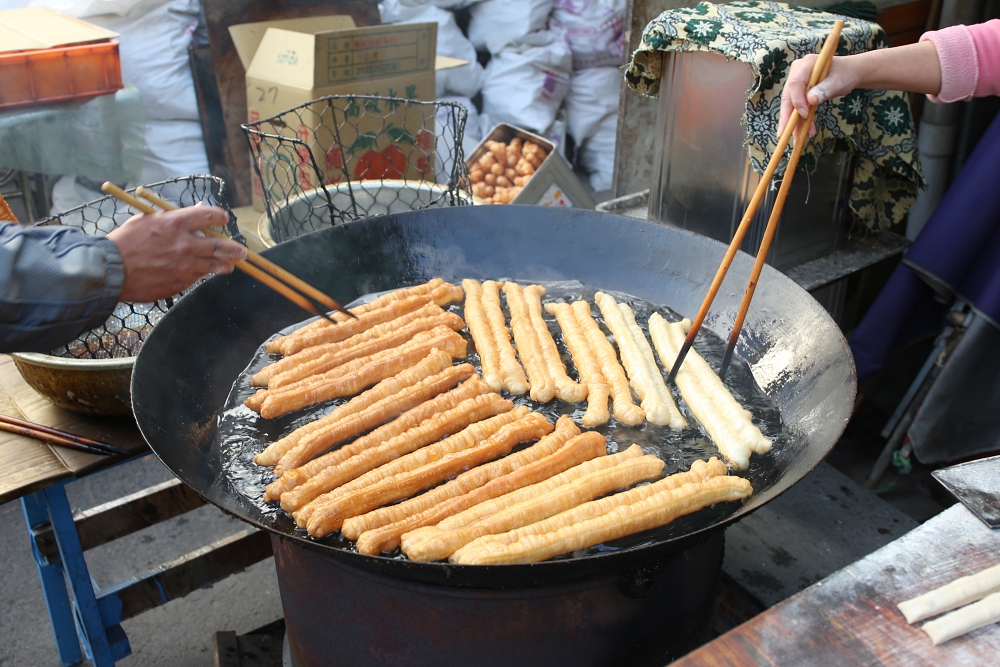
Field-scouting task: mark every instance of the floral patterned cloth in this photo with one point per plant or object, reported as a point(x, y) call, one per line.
point(876, 125)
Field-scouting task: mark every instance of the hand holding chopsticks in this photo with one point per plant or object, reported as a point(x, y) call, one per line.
point(294, 289)
point(820, 69)
point(57, 437)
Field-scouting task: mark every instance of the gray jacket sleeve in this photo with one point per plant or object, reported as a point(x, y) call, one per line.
point(55, 283)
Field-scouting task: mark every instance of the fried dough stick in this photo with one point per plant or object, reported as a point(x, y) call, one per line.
point(657, 510)
point(331, 517)
point(677, 420)
point(407, 384)
point(653, 400)
point(566, 389)
point(582, 448)
point(586, 363)
point(700, 471)
point(264, 375)
point(425, 400)
point(385, 299)
point(479, 327)
point(543, 387)
point(465, 483)
point(626, 411)
point(471, 436)
point(511, 372)
point(399, 336)
point(626, 473)
point(372, 372)
point(727, 423)
point(432, 429)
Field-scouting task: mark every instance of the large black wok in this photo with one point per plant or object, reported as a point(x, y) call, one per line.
point(189, 363)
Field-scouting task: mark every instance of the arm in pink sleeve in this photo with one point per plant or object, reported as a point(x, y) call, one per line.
point(970, 60)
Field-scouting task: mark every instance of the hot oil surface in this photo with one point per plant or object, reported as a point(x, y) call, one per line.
point(242, 433)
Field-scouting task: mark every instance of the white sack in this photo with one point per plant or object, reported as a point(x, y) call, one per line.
point(494, 24)
point(595, 30)
point(443, 4)
point(445, 152)
point(463, 81)
point(593, 95)
point(526, 82)
point(597, 155)
point(556, 133)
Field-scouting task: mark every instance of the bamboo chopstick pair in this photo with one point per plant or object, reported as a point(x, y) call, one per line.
point(56, 437)
point(281, 281)
point(819, 71)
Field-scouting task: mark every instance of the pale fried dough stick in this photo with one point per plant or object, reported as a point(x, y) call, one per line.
point(677, 420)
point(582, 448)
point(261, 378)
point(510, 370)
point(586, 363)
point(469, 437)
point(543, 387)
point(640, 379)
point(566, 389)
point(430, 430)
point(331, 517)
point(567, 496)
point(479, 327)
point(419, 408)
point(466, 482)
point(727, 423)
point(397, 338)
point(434, 363)
point(372, 372)
point(700, 471)
point(657, 510)
point(626, 411)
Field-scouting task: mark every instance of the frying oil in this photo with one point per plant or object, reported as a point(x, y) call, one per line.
point(243, 433)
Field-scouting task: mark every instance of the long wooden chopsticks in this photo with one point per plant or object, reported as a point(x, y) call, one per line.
point(264, 271)
point(819, 71)
point(56, 437)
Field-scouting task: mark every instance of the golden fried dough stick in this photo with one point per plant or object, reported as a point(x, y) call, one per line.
point(510, 370)
point(331, 516)
point(407, 384)
point(626, 411)
point(479, 327)
point(586, 363)
point(261, 378)
point(581, 448)
point(400, 336)
point(567, 496)
point(727, 423)
point(657, 510)
point(543, 387)
point(416, 403)
point(700, 471)
point(432, 429)
point(466, 482)
point(652, 399)
point(677, 420)
point(441, 295)
point(372, 372)
point(566, 389)
point(471, 436)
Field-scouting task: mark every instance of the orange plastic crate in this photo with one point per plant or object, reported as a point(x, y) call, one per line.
point(59, 74)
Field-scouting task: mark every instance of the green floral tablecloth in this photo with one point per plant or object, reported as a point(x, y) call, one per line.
point(876, 125)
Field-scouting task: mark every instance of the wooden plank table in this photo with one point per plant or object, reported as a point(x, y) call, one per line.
point(851, 618)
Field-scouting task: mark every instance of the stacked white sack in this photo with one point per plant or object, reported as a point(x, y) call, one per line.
point(592, 116)
point(595, 30)
point(527, 81)
point(465, 81)
point(495, 24)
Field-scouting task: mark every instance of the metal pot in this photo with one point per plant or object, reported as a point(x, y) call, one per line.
point(96, 387)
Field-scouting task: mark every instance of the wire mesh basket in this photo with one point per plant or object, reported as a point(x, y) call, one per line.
point(344, 157)
point(122, 334)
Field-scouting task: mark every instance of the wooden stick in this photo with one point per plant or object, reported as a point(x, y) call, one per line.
point(758, 195)
point(242, 265)
point(820, 70)
point(57, 437)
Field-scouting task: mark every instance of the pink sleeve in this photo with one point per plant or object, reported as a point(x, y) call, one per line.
point(970, 60)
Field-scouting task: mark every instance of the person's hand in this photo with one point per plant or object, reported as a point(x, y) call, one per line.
point(842, 79)
point(162, 255)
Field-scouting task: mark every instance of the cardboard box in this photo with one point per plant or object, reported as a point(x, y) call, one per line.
point(552, 184)
point(41, 28)
point(293, 62)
